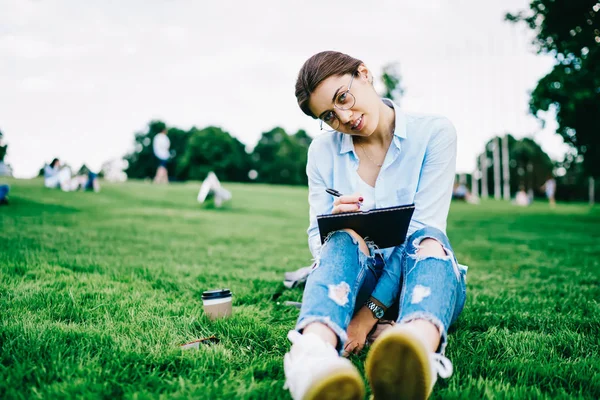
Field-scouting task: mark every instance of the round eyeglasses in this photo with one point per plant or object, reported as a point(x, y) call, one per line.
point(343, 101)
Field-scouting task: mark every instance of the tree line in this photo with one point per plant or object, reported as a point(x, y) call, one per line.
point(278, 157)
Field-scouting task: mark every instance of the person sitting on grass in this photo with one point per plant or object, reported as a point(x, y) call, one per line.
point(57, 177)
point(86, 180)
point(211, 186)
point(4, 195)
point(385, 157)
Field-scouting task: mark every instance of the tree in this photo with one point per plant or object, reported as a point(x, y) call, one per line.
point(3, 147)
point(528, 164)
point(570, 32)
point(392, 80)
point(213, 149)
point(281, 158)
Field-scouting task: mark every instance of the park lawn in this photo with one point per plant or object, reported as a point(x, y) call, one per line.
point(97, 291)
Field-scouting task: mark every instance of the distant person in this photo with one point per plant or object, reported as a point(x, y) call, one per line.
point(3, 195)
point(161, 145)
point(522, 198)
point(549, 187)
point(57, 177)
point(460, 192)
point(86, 180)
point(212, 186)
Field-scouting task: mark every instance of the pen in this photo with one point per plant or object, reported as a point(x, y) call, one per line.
point(333, 192)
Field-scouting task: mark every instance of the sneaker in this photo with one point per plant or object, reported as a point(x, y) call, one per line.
point(315, 371)
point(399, 365)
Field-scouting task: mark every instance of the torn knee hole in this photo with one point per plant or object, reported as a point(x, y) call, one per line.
point(430, 247)
point(339, 293)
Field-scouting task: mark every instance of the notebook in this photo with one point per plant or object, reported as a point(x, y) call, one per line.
point(386, 227)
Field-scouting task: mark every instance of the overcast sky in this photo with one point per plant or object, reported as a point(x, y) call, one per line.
point(79, 78)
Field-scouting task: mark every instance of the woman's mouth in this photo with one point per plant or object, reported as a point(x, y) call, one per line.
point(358, 124)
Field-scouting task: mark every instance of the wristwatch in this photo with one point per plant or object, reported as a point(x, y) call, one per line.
point(375, 309)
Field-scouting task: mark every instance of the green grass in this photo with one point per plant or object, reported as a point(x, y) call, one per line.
point(97, 291)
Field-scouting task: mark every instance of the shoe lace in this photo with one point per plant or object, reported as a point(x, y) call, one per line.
point(442, 365)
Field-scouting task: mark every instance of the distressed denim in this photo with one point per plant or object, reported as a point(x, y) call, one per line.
point(430, 288)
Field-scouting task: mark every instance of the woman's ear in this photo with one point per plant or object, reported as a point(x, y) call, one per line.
point(365, 74)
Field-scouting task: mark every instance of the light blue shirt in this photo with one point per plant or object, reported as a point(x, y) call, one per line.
point(419, 168)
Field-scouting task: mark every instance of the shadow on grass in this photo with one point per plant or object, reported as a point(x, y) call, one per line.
point(26, 207)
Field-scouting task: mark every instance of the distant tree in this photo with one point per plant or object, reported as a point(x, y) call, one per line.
point(281, 158)
point(3, 147)
point(84, 170)
point(570, 32)
point(213, 149)
point(142, 162)
point(179, 141)
point(392, 80)
point(528, 164)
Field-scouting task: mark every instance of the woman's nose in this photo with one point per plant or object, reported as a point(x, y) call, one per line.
point(344, 116)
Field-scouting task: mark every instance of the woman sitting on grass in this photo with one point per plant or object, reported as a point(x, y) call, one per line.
point(386, 158)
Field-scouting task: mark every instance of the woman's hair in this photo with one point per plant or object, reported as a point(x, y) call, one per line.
point(318, 68)
point(53, 163)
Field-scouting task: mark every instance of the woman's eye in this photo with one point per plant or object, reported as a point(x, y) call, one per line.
point(342, 98)
point(328, 117)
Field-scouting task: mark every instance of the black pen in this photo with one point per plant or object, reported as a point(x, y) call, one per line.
point(333, 192)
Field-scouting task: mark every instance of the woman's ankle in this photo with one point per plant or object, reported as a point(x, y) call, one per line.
point(322, 331)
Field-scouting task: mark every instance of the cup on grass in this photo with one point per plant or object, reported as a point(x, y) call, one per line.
point(217, 303)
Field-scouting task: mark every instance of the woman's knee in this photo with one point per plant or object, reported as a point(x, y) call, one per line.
point(347, 237)
point(430, 242)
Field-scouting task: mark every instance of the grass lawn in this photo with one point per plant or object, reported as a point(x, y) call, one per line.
point(97, 291)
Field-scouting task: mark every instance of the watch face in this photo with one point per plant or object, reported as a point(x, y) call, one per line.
point(379, 313)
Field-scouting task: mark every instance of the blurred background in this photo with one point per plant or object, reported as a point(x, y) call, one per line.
point(93, 83)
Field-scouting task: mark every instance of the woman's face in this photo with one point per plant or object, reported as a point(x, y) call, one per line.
point(360, 119)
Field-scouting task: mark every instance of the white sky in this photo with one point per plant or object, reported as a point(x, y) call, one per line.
point(79, 78)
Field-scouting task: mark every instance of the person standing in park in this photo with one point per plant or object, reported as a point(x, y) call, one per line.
point(161, 145)
point(385, 157)
point(549, 187)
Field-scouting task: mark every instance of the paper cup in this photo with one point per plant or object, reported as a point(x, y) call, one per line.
point(217, 303)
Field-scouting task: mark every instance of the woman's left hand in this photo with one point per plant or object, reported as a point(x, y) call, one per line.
point(360, 326)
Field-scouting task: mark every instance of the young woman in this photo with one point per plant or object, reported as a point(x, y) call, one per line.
point(380, 157)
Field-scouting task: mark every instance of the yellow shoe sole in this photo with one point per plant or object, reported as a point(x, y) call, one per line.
point(397, 367)
point(340, 385)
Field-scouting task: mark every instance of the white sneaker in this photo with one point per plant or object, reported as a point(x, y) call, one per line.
point(399, 365)
point(315, 371)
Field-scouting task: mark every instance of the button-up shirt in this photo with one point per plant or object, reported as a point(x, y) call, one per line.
point(419, 168)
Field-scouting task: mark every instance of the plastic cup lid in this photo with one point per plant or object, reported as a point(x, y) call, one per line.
point(216, 294)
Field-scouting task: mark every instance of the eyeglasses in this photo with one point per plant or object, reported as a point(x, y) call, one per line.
point(343, 101)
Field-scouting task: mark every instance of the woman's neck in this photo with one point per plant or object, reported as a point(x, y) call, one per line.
point(385, 128)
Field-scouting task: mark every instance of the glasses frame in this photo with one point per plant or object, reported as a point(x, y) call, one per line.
point(346, 92)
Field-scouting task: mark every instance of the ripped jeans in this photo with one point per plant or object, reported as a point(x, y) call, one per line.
point(430, 288)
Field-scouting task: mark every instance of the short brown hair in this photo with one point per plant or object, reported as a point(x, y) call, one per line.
point(318, 68)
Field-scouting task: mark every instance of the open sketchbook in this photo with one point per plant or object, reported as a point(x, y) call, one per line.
point(386, 227)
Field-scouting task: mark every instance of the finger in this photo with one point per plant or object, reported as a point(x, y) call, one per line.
point(358, 348)
point(349, 348)
point(351, 198)
point(342, 208)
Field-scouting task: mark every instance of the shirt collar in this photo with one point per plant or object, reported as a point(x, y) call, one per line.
point(399, 130)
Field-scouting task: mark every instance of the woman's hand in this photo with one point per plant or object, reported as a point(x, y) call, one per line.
point(348, 203)
point(359, 328)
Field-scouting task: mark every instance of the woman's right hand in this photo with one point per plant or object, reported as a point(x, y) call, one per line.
point(347, 203)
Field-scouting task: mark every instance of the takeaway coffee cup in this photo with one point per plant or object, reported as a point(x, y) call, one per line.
point(217, 303)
